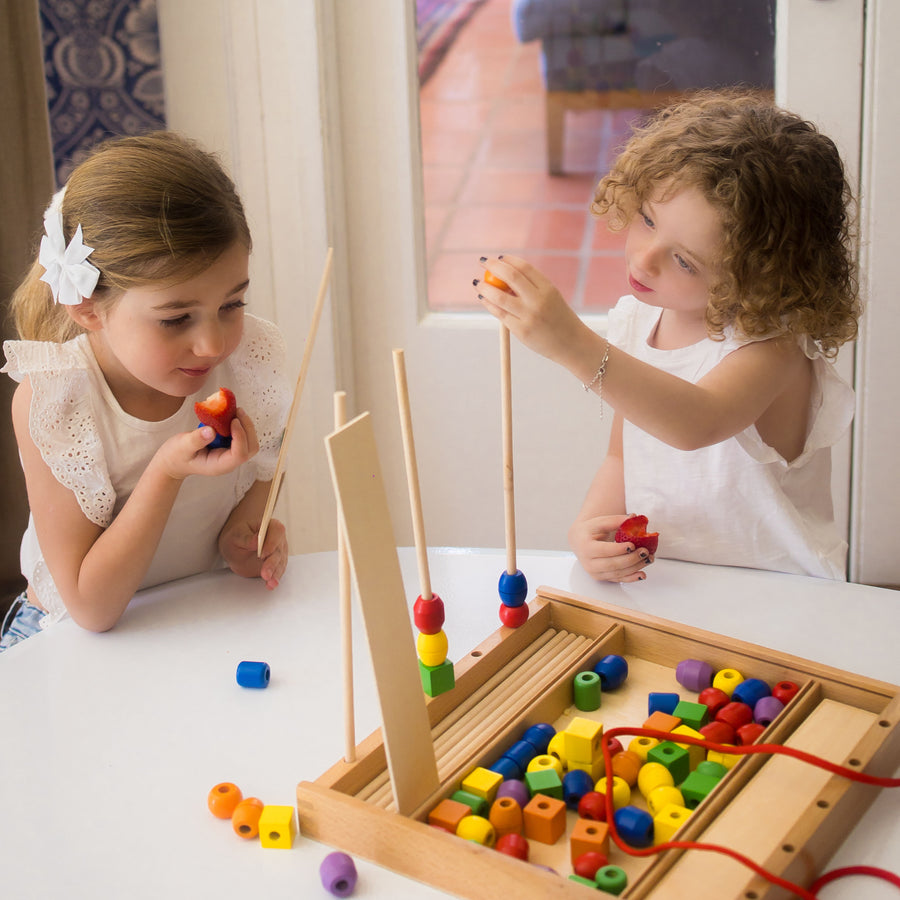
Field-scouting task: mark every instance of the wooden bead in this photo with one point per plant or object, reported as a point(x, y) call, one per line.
point(635, 826)
point(621, 790)
point(428, 615)
point(661, 721)
point(448, 814)
point(437, 680)
point(785, 691)
point(513, 616)
point(245, 819)
point(696, 753)
point(545, 781)
point(694, 715)
point(483, 783)
point(477, 805)
point(432, 648)
point(713, 699)
point(545, 761)
point(521, 752)
point(667, 822)
point(750, 691)
point(662, 702)
point(277, 827)
point(611, 880)
point(750, 733)
point(719, 733)
point(592, 806)
point(626, 765)
point(223, 799)
point(513, 844)
point(506, 816)
point(694, 674)
point(586, 691)
point(676, 759)
point(642, 746)
point(660, 797)
point(338, 874)
point(613, 670)
point(545, 819)
point(576, 784)
point(696, 787)
point(766, 710)
point(582, 740)
point(735, 714)
point(516, 790)
point(557, 747)
point(253, 674)
point(539, 736)
point(588, 836)
point(652, 776)
point(588, 863)
point(710, 767)
point(507, 768)
point(513, 588)
point(727, 680)
point(477, 829)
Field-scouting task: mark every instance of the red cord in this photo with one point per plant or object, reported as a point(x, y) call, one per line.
point(803, 893)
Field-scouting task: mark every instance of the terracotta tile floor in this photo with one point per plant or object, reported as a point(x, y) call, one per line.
point(487, 190)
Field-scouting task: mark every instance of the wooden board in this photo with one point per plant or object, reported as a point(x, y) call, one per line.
point(362, 504)
point(349, 807)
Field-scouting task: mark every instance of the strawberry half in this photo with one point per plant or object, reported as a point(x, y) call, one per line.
point(634, 530)
point(217, 410)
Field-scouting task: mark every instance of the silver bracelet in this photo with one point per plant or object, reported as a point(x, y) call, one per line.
point(597, 380)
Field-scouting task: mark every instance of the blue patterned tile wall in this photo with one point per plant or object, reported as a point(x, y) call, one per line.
point(102, 71)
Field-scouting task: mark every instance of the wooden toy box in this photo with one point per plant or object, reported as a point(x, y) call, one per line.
point(786, 815)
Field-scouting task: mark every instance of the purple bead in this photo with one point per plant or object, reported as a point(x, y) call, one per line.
point(515, 790)
point(338, 874)
point(766, 710)
point(750, 691)
point(694, 674)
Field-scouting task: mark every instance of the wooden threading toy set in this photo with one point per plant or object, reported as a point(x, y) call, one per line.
point(771, 823)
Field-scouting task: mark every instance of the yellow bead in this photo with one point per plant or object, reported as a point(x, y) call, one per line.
point(726, 759)
point(621, 791)
point(432, 648)
point(595, 769)
point(478, 829)
point(727, 680)
point(659, 798)
point(667, 821)
point(642, 745)
point(653, 775)
point(557, 748)
point(277, 827)
point(545, 761)
point(583, 740)
point(482, 783)
point(696, 753)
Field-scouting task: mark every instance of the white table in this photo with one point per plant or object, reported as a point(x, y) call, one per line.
point(110, 743)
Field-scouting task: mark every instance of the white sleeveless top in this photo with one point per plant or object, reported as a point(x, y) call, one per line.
point(99, 451)
point(739, 502)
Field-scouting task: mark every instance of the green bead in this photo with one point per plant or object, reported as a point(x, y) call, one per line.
point(710, 767)
point(694, 715)
point(587, 882)
point(611, 879)
point(437, 679)
point(544, 781)
point(478, 805)
point(587, 691)
point(695, 787)
point(676, 759)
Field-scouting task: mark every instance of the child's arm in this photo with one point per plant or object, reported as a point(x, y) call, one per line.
point(97, 570)
point(592, 535)
point(730, 398)
point(239, 534)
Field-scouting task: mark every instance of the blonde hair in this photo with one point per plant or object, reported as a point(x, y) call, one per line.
point(788, 264)
point(156, 209)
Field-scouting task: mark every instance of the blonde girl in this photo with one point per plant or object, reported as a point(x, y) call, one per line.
point(134, 311)
point(739, 260)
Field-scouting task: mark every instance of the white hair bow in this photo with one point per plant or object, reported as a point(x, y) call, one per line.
point(70, 276)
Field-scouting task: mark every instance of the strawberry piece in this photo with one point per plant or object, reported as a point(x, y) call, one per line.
point(634, 530)
point(217, 410)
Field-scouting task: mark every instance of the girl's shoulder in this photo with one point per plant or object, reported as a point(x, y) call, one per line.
point(24, 358)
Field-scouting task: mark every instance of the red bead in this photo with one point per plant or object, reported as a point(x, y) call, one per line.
point(615, 746)
point(592, 806)
point(785, 691)
point(714, 699)
point(735, 714)
point(428, 615)
point(749, 733)
point(513, 616)
point(719, 732)
point(588, 863)
point(513, 844)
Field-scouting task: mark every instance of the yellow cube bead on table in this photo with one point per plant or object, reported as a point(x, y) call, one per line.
point(277, 827)
point(696, 753)
point(582, 740)
point(483, 783)
point(667, 821)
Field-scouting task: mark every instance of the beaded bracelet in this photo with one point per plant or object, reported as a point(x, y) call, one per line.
point(597, 380)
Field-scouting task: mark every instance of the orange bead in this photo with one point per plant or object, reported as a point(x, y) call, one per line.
point(245, 819)
point(223, 798)
point(490, 278)
point(626, 765)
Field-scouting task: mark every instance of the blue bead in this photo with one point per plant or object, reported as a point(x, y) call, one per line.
point(539, 736)
point(513, 588)
point(662, 702)
point(613, 670)
point(508, 768)
point(253, 674)
point(576, 783)
point(521, 753)
point(635, 826)
point(751, 691)
point(219, 441)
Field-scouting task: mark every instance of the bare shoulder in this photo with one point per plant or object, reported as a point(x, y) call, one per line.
point(784, 425)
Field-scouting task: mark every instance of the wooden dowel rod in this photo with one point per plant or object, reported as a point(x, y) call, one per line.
point(509, 504)
point(292, 414)
point(344, 586)
point(412, 474)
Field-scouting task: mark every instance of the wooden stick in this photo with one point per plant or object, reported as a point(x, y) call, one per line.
point(340, 419)
point(506, 416)
point(298, 390)
point(412, 474)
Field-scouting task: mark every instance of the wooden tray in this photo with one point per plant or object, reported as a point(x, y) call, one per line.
point(786, 815)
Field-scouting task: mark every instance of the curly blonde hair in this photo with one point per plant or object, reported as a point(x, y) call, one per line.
point(156, 208)
point(788, 262)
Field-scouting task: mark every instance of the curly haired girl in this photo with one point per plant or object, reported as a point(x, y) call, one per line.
point(740, 259)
